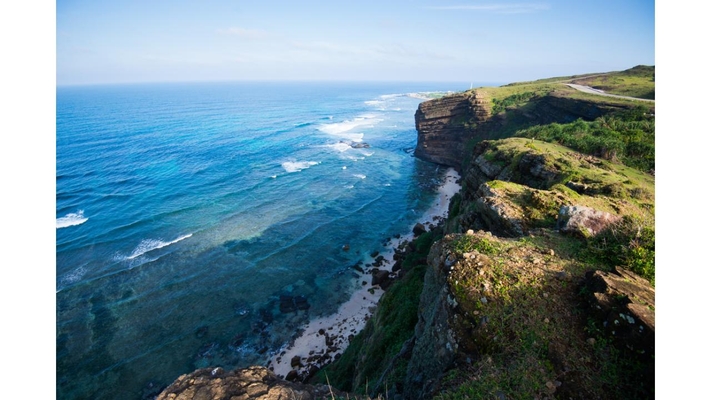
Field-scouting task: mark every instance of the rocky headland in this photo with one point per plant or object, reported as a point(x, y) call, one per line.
point(539, 283)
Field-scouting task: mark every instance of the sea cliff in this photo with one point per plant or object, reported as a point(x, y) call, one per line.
point(540, 282)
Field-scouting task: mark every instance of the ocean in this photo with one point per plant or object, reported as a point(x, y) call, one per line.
point(187, 212)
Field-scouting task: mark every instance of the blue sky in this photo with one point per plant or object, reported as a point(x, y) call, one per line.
point(422, 40)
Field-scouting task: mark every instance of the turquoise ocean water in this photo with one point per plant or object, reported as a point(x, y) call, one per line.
point(185, 211)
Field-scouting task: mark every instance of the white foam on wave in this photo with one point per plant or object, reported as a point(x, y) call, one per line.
point(73, 276)
point(71, 219)
point(342, 129)
point(147, 245)
point(361, 176)
point(339, 147)
point(296, 166)
point(374, 102)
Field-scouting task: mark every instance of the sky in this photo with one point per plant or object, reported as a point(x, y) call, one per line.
point(125, 41)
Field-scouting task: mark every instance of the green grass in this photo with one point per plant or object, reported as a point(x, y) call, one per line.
point(635, 82)
point(534, 341)
point(373, 349)
point(627, 136)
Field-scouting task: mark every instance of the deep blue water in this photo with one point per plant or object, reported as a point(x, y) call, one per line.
point(185, 210)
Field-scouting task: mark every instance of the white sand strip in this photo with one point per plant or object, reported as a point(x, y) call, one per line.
point(311, 347)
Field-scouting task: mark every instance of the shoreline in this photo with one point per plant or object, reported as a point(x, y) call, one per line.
point(325, 338)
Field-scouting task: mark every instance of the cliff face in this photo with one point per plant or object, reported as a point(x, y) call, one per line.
point(442, 126)
point(446, 125)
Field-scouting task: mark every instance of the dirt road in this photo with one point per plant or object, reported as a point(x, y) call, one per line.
point(588, 89)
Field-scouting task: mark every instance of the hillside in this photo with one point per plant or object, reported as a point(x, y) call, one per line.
point(511, 305)
point(448, 128)
point(540, 283)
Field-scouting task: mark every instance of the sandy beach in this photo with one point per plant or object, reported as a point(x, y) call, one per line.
point(324, 338)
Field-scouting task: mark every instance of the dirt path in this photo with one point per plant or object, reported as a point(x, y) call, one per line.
point(588, 89)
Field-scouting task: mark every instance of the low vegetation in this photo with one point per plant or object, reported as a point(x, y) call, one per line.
point(370, 364)
point(521, 328)
point(528, 339)
point(626, 136)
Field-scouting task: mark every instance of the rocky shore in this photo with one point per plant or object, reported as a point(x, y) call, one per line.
point(325, 338)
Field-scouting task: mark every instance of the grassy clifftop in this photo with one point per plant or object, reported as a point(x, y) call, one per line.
point(502, 302)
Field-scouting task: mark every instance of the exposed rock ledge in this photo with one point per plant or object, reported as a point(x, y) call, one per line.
point(254, 383)
point(445, 125)
point(440, 125)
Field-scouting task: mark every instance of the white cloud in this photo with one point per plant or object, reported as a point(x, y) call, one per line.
point(497, 8)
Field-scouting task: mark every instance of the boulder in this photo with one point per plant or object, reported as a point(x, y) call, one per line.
point(622, 302)
point(379, 276)
point(585, 221)
point(419, 229)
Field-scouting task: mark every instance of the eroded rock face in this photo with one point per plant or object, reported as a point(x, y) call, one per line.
point(501, 216)
point(435, 346)
point(584, 221)
point(254, 383)
point(442, 126)
point(623, 303)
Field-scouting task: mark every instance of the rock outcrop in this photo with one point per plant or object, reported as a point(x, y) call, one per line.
point(445, 125)
point(435, 345)
point(253, 383)
point(584, 221)
point(622, 303)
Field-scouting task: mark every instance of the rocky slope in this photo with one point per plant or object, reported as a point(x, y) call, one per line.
point(527, 290)
point(256, 383)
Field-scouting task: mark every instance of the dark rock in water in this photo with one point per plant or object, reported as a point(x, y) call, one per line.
point(286, 304)
point(379, 276)
point(206, 349)
point(301, 303)
point(266, 315)
point(201, 332)
point(419, 229)
point(292, 376)
point(346, 247)
point(236, 341)
point(289, 304)
point(374, 254)
point(312, 370)
point(358, 268)
point(361, 145)
point(397, 266)
point(296, 362)
point(397, 236)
